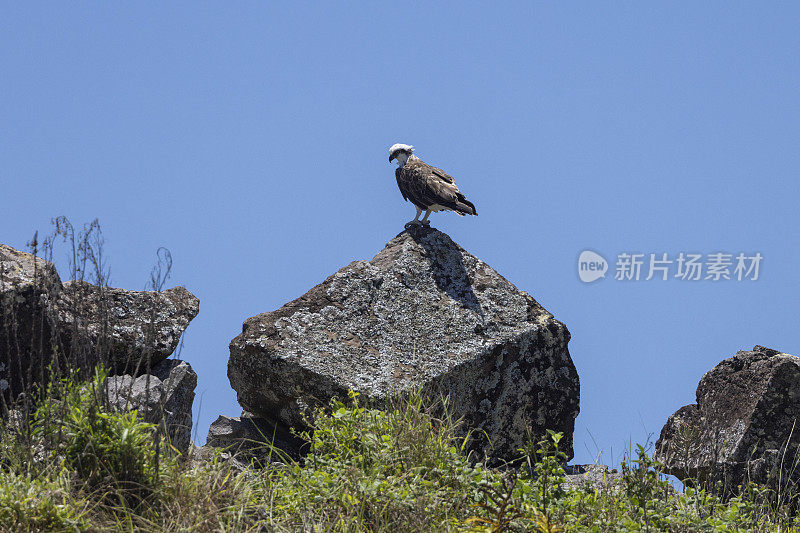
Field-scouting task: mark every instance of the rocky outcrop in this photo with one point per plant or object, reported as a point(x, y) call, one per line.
point(422, 314)
point(78, 325)
point(164, 397)
point(744, 426)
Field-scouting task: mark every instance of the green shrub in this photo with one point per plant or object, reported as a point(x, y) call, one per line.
point(106, 450)
point(401, 469)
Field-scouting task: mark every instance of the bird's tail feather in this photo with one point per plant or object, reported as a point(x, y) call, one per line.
point(465, 207)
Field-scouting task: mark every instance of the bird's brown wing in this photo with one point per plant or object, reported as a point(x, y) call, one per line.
point(425, 186)
point(444, 176)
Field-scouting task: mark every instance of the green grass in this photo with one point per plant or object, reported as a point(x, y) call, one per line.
point(72, 465)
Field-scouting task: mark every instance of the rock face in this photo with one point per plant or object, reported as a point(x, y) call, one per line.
point(136, 326)
point(78, 325)
point(163, 397)
point(27, 284)
point(422, 314)
point(746, 420)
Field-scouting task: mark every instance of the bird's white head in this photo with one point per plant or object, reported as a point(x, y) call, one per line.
point(400, 152)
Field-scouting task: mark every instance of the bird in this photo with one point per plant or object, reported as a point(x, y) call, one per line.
point(430, 189)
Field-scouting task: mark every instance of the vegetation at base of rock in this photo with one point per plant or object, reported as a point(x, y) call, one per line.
point(400, 469)
point(108, 450)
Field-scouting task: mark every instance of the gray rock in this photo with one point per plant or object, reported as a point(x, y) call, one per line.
point(135, 329)
point(164, 398)
point(743, 426)
point(20, 271)
point(129, 331)
point(27, 286)
point(253, 437)
point(422, 314)
point(593, 477)
point(202, 456)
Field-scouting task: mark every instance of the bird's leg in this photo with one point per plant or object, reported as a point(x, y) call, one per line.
point(416, 221)
point(425, 220)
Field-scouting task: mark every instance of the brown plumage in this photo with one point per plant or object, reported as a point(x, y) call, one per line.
point(427, 187)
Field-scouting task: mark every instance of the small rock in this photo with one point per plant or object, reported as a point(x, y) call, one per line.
point(137, 329)
point(130, 332)
point(164, 397)
point(592, 477)
point(28, 285)
point(254, 437)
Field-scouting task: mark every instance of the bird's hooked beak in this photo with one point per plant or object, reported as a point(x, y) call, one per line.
point(391, 156)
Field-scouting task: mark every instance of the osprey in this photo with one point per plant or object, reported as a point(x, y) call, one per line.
point(430, 189)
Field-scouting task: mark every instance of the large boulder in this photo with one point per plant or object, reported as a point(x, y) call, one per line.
point(745, 423)
point(46, 324)
point(422, 314)
point(163, 397)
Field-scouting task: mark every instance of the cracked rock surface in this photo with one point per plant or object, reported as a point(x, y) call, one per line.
point(422, 314)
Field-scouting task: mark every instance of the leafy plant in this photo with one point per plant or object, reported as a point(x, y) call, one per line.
point(645, 486)
point(106, 449)
point(371, 468)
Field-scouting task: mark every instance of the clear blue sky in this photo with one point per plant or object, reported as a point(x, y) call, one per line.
point(250, 139)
